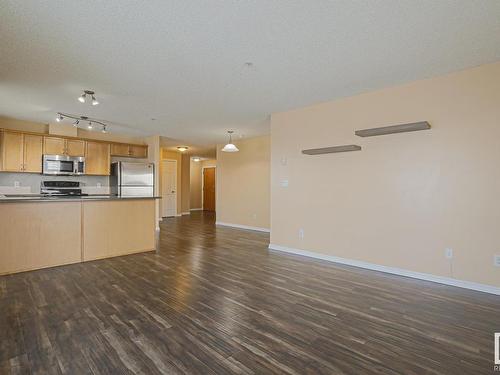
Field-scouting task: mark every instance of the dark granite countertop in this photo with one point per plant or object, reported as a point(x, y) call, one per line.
point(41, 198)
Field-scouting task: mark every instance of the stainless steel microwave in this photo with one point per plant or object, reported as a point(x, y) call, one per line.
point(63, 165)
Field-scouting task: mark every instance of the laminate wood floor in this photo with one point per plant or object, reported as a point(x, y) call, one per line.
point(216, 301)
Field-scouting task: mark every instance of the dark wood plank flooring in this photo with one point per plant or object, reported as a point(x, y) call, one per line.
point(216, 301)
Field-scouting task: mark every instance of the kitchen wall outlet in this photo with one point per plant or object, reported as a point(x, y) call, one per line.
point(99, 185)
point(16, 184)
point(496, 260)
point(284, 183)
point(448, 253)
point(301, 234)
point(254, 216)
point(283, 161)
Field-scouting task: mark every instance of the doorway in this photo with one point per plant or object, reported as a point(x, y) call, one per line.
point(208, 187)
point(169, 188)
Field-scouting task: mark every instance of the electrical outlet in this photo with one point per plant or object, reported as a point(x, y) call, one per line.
point(284, 183)
point(99, 185)
point(254, 216)
point(496, 260)
point(448, 253)
point(301, 234)
point(16, 184)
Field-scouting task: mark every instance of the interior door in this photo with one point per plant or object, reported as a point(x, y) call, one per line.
point(169, 188)
point(209, 189)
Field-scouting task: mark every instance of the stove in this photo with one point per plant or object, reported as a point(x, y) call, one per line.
point(61, 188)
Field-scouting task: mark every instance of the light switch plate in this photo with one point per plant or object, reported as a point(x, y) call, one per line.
point(448, 253)
point(496, 260)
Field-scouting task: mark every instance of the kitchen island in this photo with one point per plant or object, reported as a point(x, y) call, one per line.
point(38, 232)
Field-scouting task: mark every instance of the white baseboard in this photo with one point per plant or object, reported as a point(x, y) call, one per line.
point(242, 226)
point(186, 213)
point(196, 209)
point(396, 271)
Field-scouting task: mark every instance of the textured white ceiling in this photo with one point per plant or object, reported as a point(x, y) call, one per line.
point(182, 62)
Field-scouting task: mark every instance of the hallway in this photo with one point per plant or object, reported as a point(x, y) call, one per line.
point(214, 300)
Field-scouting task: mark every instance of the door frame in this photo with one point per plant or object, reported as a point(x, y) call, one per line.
point(176, 183)
point(203, 185)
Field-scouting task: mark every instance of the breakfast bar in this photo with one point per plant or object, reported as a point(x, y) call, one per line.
point(38, 232)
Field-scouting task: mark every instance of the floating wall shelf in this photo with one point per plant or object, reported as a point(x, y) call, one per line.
point(403, 128)
point(331, 150)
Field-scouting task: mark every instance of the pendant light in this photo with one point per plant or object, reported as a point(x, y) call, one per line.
point(230, 147)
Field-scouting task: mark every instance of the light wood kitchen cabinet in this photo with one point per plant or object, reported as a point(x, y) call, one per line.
point(97, 158)
point(75, 147)
point(120, 149)
point(21, 152)
point(54, 145)
point(130, 151)
point(62, 146)
point(33, 149)
point(12, 152)
point(138, 151)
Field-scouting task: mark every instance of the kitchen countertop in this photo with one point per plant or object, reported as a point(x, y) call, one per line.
point(41, 198)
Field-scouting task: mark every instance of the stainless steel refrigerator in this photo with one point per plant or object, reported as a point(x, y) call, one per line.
point(130, 179)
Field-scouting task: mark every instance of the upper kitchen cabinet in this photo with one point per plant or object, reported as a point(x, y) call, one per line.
point(33, 149)
point(63, 146)
point(20, 152)
point(97, 158)
point(75, 147)
point(138, 151)
point(129, 151)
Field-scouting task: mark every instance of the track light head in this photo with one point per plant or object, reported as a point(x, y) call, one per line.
point(75, 124)
point(90, 126)
point(104, 129)
point(59, 117)
point(94, 100)
point(81, 99)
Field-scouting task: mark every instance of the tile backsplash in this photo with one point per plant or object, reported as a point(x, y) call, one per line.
point(18, 183)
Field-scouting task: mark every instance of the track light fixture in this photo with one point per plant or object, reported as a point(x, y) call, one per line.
point(90, 121)
point(83, 97)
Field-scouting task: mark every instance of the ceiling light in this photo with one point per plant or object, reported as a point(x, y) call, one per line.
point(90, 93)
point(59, 117)
point(196, 159)
point(230, 147)
point(90, 126)
point(182, 148)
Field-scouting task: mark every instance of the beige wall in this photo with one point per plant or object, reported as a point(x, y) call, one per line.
point(404, 198)
point(243, 183)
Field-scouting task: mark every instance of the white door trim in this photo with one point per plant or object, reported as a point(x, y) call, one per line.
point(203, 184)
point(163, 214)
